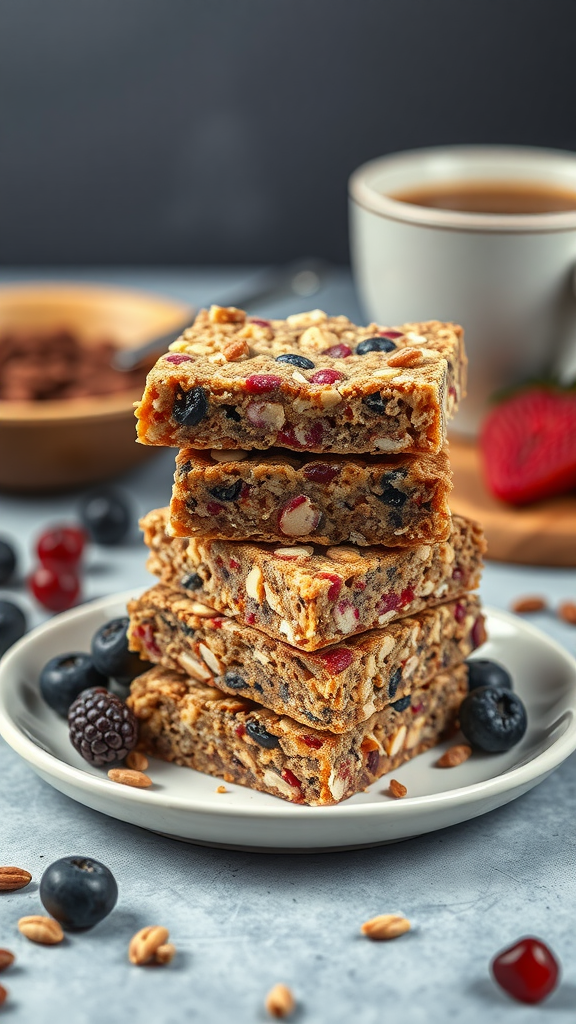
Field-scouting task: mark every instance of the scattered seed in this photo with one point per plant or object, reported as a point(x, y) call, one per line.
point(396, 789)
point(221, 789)
point(530, 603)
point(165, 953)
point(44, 930)
point(6, 959)
point(454, 756)
point(128, 777)
point(385, 926)
point(567, 612)
point(280, 1002)
point(3, 995)
point(137, 761)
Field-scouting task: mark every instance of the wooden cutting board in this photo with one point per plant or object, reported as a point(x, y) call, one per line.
point(541, 534)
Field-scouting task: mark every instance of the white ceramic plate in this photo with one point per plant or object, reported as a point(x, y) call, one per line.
point(184, 804)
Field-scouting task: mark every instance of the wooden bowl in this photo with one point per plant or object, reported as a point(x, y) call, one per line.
point(53, 445)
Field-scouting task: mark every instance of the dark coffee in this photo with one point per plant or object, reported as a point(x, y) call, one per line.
point(491, 197)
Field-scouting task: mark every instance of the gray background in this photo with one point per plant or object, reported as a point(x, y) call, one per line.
point(191, 131)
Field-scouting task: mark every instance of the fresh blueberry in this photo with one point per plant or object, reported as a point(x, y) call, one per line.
point(235, 681)
point(483, 672)
point(394, 682)
point(190, 407)
point(110, 652)
point(229, 493)
point(7, 562)
point(375, 403)
point(258, 733)
point(65, 676)
point(105, 515)
point(12, 625)
point(375, 345)
point(493, 718)
point(390, 493)
point(294, 360)
point(78, 891)
point(402, 704)
point(192, 581)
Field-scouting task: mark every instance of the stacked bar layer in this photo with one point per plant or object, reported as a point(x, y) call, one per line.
point(312, 597)
point(194, 724)
point(288, 498)
point(310, 382)
point(335, 689)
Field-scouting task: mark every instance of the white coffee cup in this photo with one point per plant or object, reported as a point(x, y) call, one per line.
point(507, 278)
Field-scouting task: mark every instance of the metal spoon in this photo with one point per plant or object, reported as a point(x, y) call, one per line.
point(303, 278)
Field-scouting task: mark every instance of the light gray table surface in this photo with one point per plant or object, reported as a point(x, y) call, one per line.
point(242, 921)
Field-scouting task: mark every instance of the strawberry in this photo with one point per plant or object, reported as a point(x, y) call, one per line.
point(529, 445)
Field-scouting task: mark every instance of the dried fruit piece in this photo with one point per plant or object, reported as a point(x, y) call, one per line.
point(6, 959)
point(3, 994)
point(129, 777)
point(528, 604)
point(190, 407)
point(13, 878)
point(298, 517)
point(44, 930)
point(397, 790)
point(326, 377)
point(145, 944)
point(280, 1002)
point(454, 756)
point(385, 926)
point(527, 971)
point(258, 383)
point(567, 612)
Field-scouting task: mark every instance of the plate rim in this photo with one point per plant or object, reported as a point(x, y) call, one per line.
point(48, 764)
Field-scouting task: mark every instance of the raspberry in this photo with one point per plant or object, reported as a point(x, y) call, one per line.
point(528, 445)
point(102, 728)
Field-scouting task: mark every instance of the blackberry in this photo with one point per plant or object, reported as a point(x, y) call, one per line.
point(111, 655)
point(102, 728)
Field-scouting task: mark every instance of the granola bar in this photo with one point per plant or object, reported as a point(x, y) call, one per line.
point(310, 382)
point(196, 725)
point(312, 597)
point(335, 689)
point(282, 496)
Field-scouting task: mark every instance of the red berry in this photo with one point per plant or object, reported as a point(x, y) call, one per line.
point(257, 383)
point(388, 603)
point(527, 971)
point(326, 377)
point(407, 596)
point(314, 435)
point(61, 547)
point(459, 612)
point(287, 438)
point(337, 352)
point(55, 590)
point(529, 446)
point(336, 587)
point(259, 323)
point(290, 778)
point(321, 472)
point(213, 508)
point(390, 334)
point(312, 741)
point(178, 357)
point(337, 660)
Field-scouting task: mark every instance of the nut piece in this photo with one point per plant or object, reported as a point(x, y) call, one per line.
point(226, 315)
point(13, 878)
point(128, 777)
point(6, 959)
point(397, 790)
point(385, 926)
point(165, 953)
point(3, 995)
point(405, 357)
point(44, 930)
point(298, 517)
point(280, 1002)
point(221, 789)
point(528, 604)
point(137, 761)
point(567, 612)
point(455, 756)
point(343, 555)
point(237, 349)
point(146, 943)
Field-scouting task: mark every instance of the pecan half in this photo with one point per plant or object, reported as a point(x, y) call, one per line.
point(13, 878)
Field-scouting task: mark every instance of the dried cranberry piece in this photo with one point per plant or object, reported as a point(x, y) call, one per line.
point(407, 596)
point(258, 383)
point(321, 472)
point(457, 574)
point(259, 323)
point(459, 612)
point(337, 660)
point(478, 632)
point(291, 779)
point(391, 334)
point(527, 971)
point(286, 438)
point(250, 618)
point(312, 741)
point(337, 351)
point(326, 377)
point(213, 508)
point(336, 587)
point(388, 603)
point(372, 761)
point(178, 357)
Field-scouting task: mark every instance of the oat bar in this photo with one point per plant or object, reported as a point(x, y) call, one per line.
point(196, 725)
point(312, 597)
point(335, 689)
point(310, 382)
point(282, 496)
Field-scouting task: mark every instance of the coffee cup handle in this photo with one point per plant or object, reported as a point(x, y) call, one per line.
point(564, 369)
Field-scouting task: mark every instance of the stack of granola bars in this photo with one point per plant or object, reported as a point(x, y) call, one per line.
point(315, 604)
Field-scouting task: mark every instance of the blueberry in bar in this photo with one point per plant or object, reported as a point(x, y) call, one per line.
point(283, 496)
point(335, 688)
point(313, 596)
point(308, 383)
point(197, 725)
